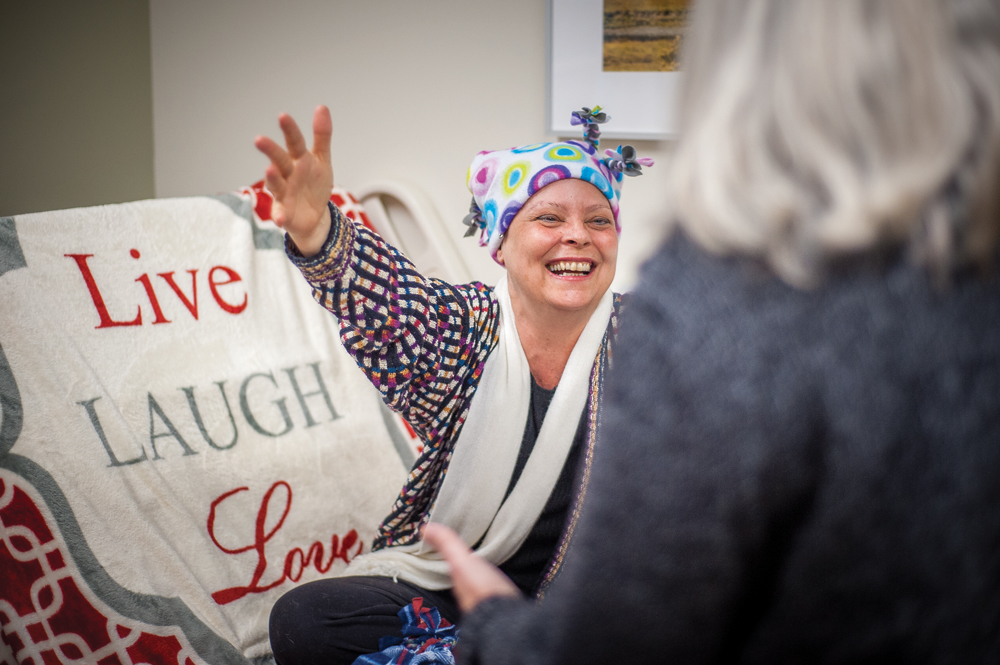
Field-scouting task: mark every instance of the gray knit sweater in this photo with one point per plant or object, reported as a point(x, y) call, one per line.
point(783, 477)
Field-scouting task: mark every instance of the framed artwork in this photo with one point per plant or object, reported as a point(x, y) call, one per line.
point(621, 55)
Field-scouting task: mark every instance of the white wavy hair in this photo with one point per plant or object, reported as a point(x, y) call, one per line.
point(817, 129)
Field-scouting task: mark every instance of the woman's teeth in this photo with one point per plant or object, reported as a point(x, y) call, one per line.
point(570, 267)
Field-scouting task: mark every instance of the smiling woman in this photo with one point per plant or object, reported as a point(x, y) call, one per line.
point(560, 252)
point(501, 384)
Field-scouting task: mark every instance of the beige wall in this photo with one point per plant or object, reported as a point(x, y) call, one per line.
point(416, 89)
point(75, 104)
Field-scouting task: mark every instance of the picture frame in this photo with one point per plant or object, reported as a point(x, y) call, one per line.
point(642, 105)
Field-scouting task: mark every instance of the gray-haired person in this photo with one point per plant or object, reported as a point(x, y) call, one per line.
point(800, 458)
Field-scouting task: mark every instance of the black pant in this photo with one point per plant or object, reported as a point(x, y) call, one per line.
point(333, 621)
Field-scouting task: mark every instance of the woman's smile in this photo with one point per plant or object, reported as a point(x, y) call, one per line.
point(570, 268)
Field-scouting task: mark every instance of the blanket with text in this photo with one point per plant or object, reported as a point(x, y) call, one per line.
point(182, 435)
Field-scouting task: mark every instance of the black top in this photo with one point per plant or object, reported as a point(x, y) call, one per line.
point(782, 476)
point(527, 566)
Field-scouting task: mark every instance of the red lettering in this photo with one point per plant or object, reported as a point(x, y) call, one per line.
point(151, 294)
point(95, 295)
point(338, 550)
point(226, 276)
point(213, 286)
point(296, 561)
point(192, 304)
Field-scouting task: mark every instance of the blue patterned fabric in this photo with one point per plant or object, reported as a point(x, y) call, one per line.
point(427, 638)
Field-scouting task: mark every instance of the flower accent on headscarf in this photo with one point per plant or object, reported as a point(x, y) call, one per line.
point(624, 160)
point(474, 220)
point(590, 119)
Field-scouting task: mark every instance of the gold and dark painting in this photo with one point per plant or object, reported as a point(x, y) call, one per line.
point(643, 35)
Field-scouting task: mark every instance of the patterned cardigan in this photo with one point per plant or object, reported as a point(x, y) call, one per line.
point(423, 343)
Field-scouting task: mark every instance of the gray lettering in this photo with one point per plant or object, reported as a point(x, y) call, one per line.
point(189, 392)
point(171, 430)
point(302, 396)
point(96, 422)
point(245, 406)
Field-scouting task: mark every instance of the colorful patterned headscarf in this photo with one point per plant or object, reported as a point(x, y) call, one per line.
point(501, 181)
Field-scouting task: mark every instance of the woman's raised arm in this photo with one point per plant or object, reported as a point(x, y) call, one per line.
point(300, 180)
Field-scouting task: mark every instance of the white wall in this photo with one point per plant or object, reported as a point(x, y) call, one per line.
point(416, 88)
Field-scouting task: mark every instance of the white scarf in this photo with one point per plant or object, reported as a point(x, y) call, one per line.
point(471, 498)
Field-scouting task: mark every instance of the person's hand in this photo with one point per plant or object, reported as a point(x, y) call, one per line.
point(473, 578)
point(301, 180)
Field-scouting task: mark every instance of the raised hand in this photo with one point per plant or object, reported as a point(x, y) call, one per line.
point(300, 180)
point(473, 578)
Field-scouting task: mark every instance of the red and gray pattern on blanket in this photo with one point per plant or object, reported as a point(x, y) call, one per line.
point(47, 607)
point(182, 436)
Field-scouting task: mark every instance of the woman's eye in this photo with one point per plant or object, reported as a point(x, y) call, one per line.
point(600, 221)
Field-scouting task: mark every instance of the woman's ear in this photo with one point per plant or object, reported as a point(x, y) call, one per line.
point(500, 253)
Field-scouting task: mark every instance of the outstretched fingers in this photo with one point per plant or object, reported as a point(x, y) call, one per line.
point(276, 154)
point(300, 180)
point(293, 136)
point(322, 133)
point(276, 183)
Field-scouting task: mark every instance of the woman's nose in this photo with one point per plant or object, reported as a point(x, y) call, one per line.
point(575, 232)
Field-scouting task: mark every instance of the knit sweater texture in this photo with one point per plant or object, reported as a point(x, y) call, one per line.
point(783, 476)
